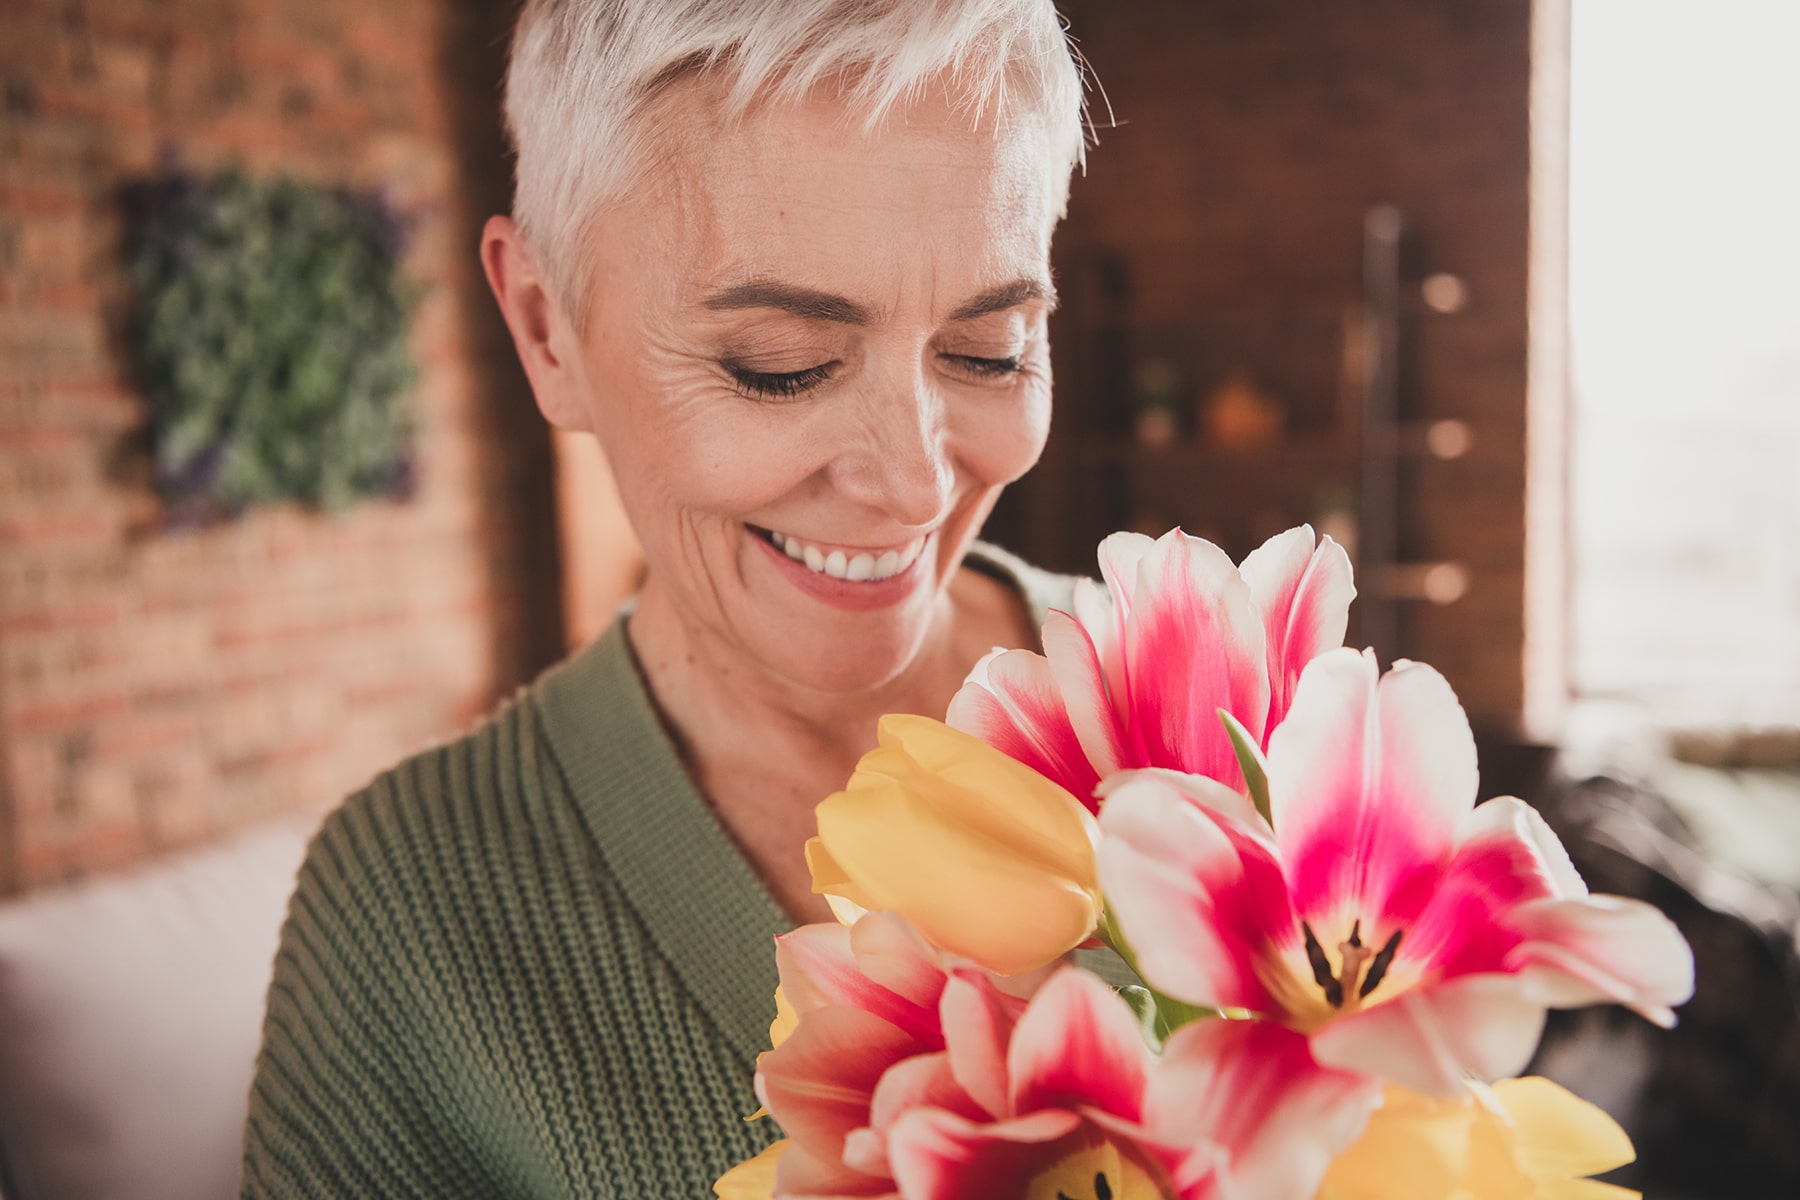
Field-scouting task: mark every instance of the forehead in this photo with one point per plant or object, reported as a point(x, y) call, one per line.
point(932, 196)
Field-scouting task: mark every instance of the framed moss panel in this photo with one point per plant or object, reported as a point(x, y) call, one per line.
point(270, 329)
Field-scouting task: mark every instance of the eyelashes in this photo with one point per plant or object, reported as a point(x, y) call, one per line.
point(990, 367)
point(778, 385)
point(787, 384)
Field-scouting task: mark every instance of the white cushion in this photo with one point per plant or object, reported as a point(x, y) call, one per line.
point(130, 1014)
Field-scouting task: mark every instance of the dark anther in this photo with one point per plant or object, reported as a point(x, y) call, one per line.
point(1102, 1189)
point(1356, 932)
point(1384, 958)
point(1321, 968)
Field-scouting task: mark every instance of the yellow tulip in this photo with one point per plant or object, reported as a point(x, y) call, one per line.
point(1554, 1139)
point(1523, 1139)
point(752, 1179)
point(987, 858)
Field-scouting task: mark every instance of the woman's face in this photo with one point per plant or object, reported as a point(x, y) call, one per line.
point(814, 357)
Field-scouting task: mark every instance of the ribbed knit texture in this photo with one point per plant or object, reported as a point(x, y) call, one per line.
point(530, 963)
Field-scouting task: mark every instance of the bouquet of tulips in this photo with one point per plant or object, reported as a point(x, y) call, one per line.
point(1326, 961)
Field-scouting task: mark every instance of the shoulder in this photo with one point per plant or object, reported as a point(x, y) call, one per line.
point(405, 831)
point(1041, 590)
point(436, 910)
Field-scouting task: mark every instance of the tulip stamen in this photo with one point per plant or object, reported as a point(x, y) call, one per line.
point(1384, 958)
point(1321, 968)
point(1354, 956)
point(1349, 981)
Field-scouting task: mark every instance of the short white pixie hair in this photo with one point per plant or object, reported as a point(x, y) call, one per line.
point(582, 74)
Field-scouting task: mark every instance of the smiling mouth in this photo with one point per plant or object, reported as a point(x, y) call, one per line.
point(861, 567)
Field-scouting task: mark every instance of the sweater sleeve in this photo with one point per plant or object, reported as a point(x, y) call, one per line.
point(354, 1092)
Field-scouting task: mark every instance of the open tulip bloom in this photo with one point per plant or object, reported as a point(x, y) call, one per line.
point(1137, 676)
point(1412, 934)
point(1284, 845)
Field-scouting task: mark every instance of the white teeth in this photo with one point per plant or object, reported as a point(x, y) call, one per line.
point(859, 568)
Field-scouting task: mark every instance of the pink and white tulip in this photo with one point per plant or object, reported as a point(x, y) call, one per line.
point(865, 998)
point(1410, 934)
point(906, 1080)
point(1136, 676)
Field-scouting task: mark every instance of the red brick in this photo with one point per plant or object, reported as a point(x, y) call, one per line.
point(157, 686)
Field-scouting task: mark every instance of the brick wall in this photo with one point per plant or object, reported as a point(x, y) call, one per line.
point(1253, 136)
point(159, 687)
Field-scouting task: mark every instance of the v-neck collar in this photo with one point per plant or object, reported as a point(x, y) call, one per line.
point(699, 899)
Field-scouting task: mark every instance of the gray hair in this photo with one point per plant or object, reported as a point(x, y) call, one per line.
point(582, 75)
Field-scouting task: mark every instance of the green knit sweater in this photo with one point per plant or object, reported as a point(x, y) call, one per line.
point(530, 963)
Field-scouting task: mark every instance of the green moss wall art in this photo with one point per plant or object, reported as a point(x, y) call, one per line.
point(270, 327)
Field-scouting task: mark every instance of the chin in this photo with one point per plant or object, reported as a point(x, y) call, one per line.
point(850, 653)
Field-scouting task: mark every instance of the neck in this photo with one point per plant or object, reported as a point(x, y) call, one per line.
point(765, 750)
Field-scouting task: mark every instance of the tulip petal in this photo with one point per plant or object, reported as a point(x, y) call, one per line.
point(1368, 778)
point(1415, 1147)
point(1011, 701)
point(1256, 1114)
point(830, 880)
point(818, 1083)
point(1098, 615)
point(753, 1179)
point(924, 1081)
point(1304, 595)
point(1075, 666)
point(1120, 555)
point(1234, 809)
point(802, 1174)
point(978, 1023)
point(1507, 856)
point(1078, 1046)
point(785, 1022)
point(986, 857)
point(1559, 1136)
point(1193, 644)
point(1604, 949)
point(1198, 903)
point(891, 953)
point(819, 968)
point(1433, 1039)
point(937, 1155)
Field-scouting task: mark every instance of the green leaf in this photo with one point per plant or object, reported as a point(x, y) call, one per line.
point(1251, 762)
point(1171, 1014)
point(1150, 1018)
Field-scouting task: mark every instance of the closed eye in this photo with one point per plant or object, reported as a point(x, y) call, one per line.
point(780, 384)
point(991, 367)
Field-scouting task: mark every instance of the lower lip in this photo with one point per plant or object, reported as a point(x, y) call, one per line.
point(851, 596)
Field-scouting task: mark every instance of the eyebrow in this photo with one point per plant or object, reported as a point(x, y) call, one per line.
point(789, 298)
point(813, 305)
point(1007, 295)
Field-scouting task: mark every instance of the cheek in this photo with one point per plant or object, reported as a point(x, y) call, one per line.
point(1001, 442)
point(700, 457)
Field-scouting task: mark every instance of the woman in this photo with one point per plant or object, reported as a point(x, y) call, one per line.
point(789, 261)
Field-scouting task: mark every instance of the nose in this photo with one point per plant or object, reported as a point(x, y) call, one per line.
point(898, 459)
